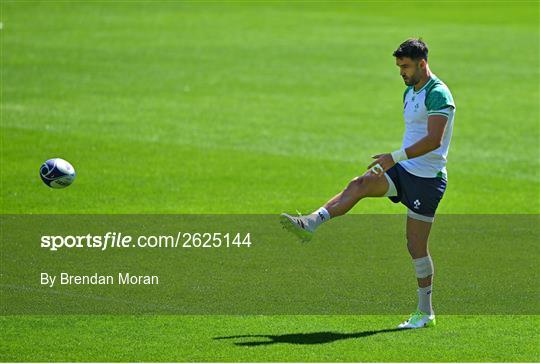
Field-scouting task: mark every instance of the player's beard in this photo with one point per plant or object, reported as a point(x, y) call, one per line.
point(414, 79)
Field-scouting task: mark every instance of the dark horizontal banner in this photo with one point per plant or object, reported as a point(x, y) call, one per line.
point(247, 264)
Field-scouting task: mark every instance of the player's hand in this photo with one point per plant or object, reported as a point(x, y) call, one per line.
point(381, 164)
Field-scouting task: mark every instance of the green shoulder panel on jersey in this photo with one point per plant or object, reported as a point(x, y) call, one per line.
point(438, 97)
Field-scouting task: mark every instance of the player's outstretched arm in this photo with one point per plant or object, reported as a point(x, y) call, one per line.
point(432, 141)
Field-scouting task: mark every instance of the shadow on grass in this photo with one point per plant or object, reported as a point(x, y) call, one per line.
point(310, 338)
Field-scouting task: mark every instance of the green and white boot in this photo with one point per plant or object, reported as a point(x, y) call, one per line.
point(298, 225)
point(417, 320)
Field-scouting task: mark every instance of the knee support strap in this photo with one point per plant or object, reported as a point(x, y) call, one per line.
point(423, 267)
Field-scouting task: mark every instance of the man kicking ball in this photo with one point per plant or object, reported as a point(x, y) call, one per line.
point(414, 175)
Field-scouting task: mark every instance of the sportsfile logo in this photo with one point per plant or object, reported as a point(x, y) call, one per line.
point(121, 240)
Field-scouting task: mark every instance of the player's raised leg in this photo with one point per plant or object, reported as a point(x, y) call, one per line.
point(368, 185)
point(417, 244)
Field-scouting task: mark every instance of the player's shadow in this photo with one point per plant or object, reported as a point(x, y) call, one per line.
point(310, 338)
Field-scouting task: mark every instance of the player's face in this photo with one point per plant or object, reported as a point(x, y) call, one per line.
point(409, 70)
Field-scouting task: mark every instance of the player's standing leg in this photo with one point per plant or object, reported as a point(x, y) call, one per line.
point(417, 243)
point(368, 185)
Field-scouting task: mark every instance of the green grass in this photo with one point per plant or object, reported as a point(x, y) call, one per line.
point(207, 107)
point(288, 338)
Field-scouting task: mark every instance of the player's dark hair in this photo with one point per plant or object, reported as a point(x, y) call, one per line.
point(412, 48)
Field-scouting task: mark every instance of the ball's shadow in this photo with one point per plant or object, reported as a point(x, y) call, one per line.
point(310, 338)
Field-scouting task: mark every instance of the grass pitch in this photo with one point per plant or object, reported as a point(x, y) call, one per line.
point(258, 108)
point(268, 338)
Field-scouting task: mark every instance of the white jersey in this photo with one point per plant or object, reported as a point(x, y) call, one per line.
point(432, 99)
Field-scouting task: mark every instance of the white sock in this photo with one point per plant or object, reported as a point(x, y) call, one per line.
point(317, 217)
point(424, 299)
